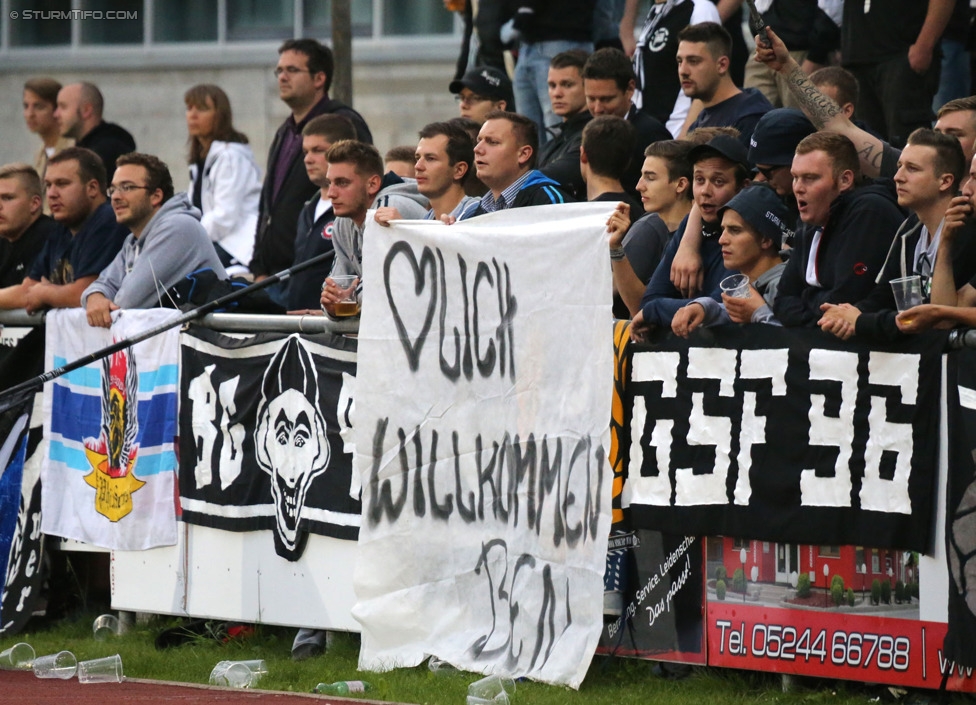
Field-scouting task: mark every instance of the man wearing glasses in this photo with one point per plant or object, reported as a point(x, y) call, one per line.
point(481, 90)
point(167, 241)
point(304, 74)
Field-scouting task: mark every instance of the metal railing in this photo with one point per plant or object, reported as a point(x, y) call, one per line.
point(230, 322)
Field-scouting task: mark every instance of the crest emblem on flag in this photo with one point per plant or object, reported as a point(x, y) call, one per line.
point(113, 454)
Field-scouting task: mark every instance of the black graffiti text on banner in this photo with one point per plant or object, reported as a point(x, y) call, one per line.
point(785, 435)
point(261, 445)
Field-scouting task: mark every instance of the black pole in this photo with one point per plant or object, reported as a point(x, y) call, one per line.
point(10, 397)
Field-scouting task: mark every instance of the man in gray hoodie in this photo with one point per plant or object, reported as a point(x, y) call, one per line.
point(357, 184)
point(167, 241)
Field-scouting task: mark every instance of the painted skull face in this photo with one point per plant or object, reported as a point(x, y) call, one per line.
point(290, 440)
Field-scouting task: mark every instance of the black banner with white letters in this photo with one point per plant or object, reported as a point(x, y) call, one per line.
point(265, 424)
point(785, 435)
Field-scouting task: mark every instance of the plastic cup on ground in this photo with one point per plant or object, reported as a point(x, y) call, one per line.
point(18, 657)
point(491, 689)
point(907, 291)
point(736, 286)
point(101, 670)
point(349, 306)
point(105, 626)
point(238, 674)
point(60, 665)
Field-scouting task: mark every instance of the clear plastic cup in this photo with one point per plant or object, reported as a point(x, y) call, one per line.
point(907, 291)
point(101, 670)
point(736, 286)
point(60, 665)
point(105, 626)
point(18, 657)
point(493, 689)
point(238, 674)
point(349, 306)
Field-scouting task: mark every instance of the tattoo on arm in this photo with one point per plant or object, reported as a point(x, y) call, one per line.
point(816, 105)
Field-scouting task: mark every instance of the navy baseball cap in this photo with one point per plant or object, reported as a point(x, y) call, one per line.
point(763, 210)
point(488, 82)
point(776, 135)
point(726, 146)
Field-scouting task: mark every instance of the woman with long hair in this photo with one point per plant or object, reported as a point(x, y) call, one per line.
point(225, 181)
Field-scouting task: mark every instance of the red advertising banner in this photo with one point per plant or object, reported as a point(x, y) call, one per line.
point(827, 644)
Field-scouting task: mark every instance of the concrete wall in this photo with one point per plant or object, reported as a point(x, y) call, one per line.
point(397, 99)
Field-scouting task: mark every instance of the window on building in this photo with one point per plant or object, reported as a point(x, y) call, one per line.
point(27, 32)
point(830, 551)
point(185, 21)
point(112, 22)
point(317, 18)
point(84, 23)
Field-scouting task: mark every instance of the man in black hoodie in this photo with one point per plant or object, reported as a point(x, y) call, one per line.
point(304, 72)
point(930, 172)
point(79, 116)
point(845, 234)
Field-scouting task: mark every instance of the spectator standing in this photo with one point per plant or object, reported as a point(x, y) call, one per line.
point(304, 73)
point(658, 86)
point(609, 83)
point(481, 90)
point(225, 181)
point(79, 116)
point(547, 28)
point(559, 159)
point(811, 36)
point(704, 56)
point(40, 102)
point(315, 222)
point(891, 47)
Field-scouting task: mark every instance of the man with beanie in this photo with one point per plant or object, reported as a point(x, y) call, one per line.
point(721, 170)
point(754, 224)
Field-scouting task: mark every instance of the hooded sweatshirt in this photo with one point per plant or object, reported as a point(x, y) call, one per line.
point(859, 229)
point(347, 237)
point(172, 245)
point(877, 319)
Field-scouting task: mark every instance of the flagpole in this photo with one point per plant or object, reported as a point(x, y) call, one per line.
point(13, 395)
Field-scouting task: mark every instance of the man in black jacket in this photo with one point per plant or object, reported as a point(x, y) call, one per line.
point(559, 159)
point(315, 222)
point(930, 171)
point(304, 72)
point(79, 116)
point(609, 83)
point(847, 229)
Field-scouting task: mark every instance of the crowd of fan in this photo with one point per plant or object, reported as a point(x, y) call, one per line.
point(777, 181)
point(819, 210)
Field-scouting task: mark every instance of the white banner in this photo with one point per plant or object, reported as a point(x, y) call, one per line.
point(108, 476)
point(482, 436)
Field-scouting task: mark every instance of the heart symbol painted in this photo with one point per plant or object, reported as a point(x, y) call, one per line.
point(427, 261)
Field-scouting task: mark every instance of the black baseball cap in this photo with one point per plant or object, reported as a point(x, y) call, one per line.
point(488, 82)
point(762, 209)
point(776, 135)
point(726, 146)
